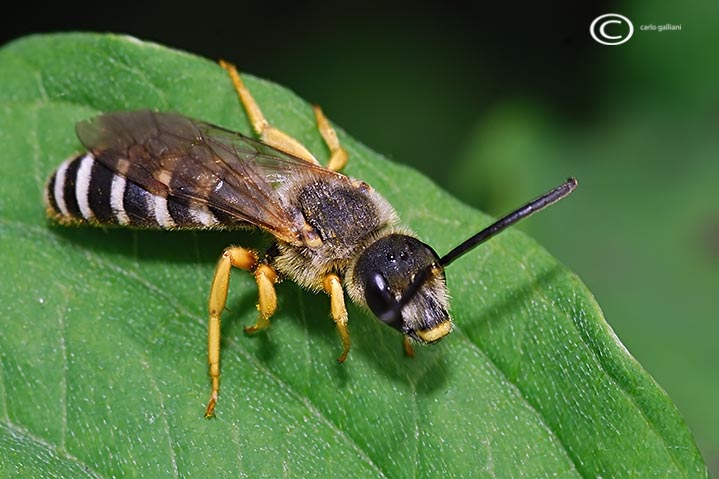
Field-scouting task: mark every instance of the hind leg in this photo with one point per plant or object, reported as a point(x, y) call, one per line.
point(281, 140)
point(265, 277)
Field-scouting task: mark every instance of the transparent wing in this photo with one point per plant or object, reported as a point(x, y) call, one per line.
point(179, 158)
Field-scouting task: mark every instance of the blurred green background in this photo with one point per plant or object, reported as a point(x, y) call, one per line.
point(499, 102)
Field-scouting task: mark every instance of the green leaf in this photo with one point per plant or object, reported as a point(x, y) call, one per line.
point(103, 347)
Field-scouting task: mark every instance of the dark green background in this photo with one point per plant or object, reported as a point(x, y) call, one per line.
point(496, 103)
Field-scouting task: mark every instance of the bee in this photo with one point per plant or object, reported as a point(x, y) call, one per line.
point(152, 170)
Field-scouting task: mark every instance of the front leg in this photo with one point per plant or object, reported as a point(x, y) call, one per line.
point(333, 287)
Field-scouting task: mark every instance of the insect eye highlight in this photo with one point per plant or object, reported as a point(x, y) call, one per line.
point(380, 300)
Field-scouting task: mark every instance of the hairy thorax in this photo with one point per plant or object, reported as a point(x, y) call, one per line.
point(343, 216)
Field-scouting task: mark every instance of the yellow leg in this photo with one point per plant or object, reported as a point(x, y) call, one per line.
point(267, 133)
point(281, 140)
point(333, 287)
point(265, 276)
point(408, 348)
point(338, 155)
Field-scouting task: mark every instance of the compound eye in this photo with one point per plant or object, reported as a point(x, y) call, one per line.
point(380, 299)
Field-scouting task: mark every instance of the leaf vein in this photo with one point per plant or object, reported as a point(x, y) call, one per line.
point(181, 309)
point(20, 433)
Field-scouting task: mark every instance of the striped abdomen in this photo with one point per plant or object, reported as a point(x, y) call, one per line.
point(84, 190)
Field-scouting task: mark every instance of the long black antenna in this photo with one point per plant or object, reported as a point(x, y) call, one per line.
point(538, 204)
point(547, 199)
